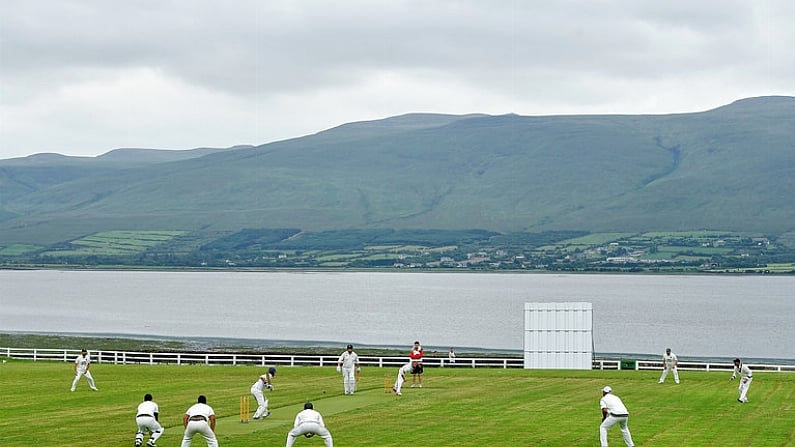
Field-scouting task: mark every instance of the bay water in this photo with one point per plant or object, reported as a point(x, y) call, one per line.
point(698, 316)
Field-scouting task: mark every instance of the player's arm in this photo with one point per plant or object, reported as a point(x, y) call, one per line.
point(185, 418)
point(212, 422)
point(604, 413)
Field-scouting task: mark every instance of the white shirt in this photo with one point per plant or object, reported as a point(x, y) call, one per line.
point(613, 404)
point(348, 359)
point(669, 360)
point(406, 369)
point(308, 415)
point(260, 383)
point(82, 362)
point(148, 407)
point(200, 410)
point(743, 371)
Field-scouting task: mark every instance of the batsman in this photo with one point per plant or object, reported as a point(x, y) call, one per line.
point(348, 365)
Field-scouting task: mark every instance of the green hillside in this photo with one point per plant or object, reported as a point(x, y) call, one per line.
point(729, 169)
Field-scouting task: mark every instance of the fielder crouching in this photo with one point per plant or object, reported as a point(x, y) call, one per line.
point(200, 418)
point(309, 422)
point(614, 412)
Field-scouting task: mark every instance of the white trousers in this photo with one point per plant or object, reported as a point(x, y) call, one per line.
point(349, 380)
point(201, 427)
point(148, 424)
point(262, 402)
point(399, 381)
point(611, 421)
point(310, 427)
point(665, 372)
point(743, 388)
point(88, 378)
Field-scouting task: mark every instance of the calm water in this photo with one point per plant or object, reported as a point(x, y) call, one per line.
point(699, 316)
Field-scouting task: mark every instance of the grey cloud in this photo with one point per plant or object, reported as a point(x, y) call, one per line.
point(510, 56)
point(251, 46)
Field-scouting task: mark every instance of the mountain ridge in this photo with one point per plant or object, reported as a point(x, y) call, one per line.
point(728, 168)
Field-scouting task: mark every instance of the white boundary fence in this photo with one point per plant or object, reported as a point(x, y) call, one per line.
point(192, 358)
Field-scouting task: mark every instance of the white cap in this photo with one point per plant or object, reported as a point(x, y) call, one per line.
point(607, 389)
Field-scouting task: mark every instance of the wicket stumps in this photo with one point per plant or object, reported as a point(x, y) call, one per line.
point(245, 409)
point(387, 384)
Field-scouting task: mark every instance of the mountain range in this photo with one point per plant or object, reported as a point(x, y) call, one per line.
point(731, 168)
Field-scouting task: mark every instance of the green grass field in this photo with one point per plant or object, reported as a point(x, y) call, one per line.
point(457, 406)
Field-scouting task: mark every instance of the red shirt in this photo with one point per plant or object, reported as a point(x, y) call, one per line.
point(416, 355)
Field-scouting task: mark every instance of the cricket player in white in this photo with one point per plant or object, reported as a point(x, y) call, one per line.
point(746, 377)
point(348, 364)
point(264, 381)
point(401, 376)
point(613, 412)
point(81, 367)
point(309, 422)
point(147, 420)
point(669, 364)
point(200, 418)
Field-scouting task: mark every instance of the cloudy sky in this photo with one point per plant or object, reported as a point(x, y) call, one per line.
point(85, 77)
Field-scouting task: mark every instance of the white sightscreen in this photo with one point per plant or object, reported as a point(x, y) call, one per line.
point(558, 335)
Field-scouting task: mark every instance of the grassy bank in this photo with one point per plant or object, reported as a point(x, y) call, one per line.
point(462, 407)
point(154, 344)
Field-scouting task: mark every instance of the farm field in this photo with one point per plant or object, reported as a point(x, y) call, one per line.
point(457, 406)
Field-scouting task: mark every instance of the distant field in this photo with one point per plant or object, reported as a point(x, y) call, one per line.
point(115, 243)
point(457, 407)
point(18, 249)
point(595, 239)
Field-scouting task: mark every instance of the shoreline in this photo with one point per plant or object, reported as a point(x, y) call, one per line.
point(156, 343)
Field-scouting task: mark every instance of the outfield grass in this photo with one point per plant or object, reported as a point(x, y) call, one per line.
point(457, 406)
